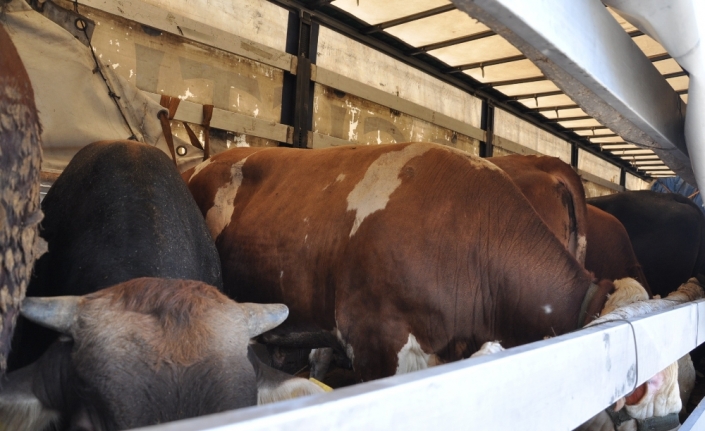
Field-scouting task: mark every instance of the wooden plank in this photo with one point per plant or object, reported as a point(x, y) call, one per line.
point(599, 181)
point(342, 83)
point(231, 121)
point(153, 16)
point(320, 140)
point(512, 146)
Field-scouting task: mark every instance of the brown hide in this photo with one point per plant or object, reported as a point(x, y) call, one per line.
point(609, 251)
point(456, 257)
point(556, 193)
point(20, 158)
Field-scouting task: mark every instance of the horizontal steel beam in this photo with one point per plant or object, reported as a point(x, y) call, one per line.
point(587, 54)
point(451, 42)
point(399, 21)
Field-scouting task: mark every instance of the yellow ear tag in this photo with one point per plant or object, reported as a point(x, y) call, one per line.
point(321, 384)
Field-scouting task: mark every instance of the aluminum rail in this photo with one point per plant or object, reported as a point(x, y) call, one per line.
point(587, 54)
point(557, 383)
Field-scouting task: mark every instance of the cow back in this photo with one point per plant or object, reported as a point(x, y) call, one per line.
point(667, 232)
point(556, 193)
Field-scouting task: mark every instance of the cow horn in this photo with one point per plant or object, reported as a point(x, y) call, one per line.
point(58, 313)
point(263, 317)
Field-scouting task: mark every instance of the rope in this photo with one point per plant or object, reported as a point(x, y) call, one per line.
point(98, 69)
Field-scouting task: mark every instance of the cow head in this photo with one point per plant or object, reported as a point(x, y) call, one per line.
point(142, 352)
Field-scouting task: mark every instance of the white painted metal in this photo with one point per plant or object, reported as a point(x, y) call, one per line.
point(588, 55)
point(552, 384)
point(659, 19)
point(696, 420)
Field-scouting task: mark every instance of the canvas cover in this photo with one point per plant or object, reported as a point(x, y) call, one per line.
point(74, 104)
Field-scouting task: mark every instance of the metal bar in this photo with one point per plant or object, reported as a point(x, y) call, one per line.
point(425, 14)
point(544, 94)
point(623, 178)
point(487, 124)
point(554, 108)
point(487, 63)
point(421, 400)
point(451, 42)
point(518, 81)
point(588, 128)
point(558, 119)
point(585, 51)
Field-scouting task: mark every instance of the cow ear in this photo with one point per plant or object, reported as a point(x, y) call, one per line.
point(58, 313)
point(20, 409)
point(263, 317)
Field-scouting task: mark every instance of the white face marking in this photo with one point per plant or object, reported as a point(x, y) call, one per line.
point(348, 348)
point(547, 309)
point(411, 357)
point(219, 216)
point(199, 168)
point(488, 348)
point(381, 179)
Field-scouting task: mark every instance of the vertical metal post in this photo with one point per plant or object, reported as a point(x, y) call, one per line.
point(574, 154)
point(297, 91)
point(623, 178)
point(487, 124)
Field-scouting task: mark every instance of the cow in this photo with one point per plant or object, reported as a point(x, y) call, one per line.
point(556, 193)
point(609, 253)
point(410, 255)
point(143, 352)
point(20, 158)
point(667, 232)
point(118, 211)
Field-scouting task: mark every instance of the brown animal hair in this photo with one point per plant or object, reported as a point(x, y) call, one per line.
point(180, 307)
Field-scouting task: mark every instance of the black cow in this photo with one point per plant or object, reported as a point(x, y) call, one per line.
point(667, 232)
point(133, 351)
point(119, 211)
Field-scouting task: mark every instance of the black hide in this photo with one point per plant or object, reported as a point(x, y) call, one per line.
point(119, 211)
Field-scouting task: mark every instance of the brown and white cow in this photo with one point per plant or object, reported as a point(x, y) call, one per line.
point(143, 352)
point(410, 254)
point(20, 158)
point(556, 193)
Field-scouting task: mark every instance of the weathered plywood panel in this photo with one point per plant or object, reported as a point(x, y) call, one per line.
point(258, 20)
point(514, 129)
point(159, 62)
point(593, 190)
point(352, 120)
point(635, 183)
point(596, 166)
point(354, 60)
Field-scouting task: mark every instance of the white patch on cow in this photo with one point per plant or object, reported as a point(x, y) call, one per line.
point(340, 178)
point(305, 238)
point(23, 411)
point(627, 291)
point(488, 348)
point(348, 348)
point(662, 395)
point(199, 168)
point(547, 309)
point(411, 357)
point(219, 216)
point(381, 179)
point(290, 389)
point(582, 249)
point(281, 274)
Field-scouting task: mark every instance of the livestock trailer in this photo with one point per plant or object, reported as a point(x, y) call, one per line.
point(600, 86)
